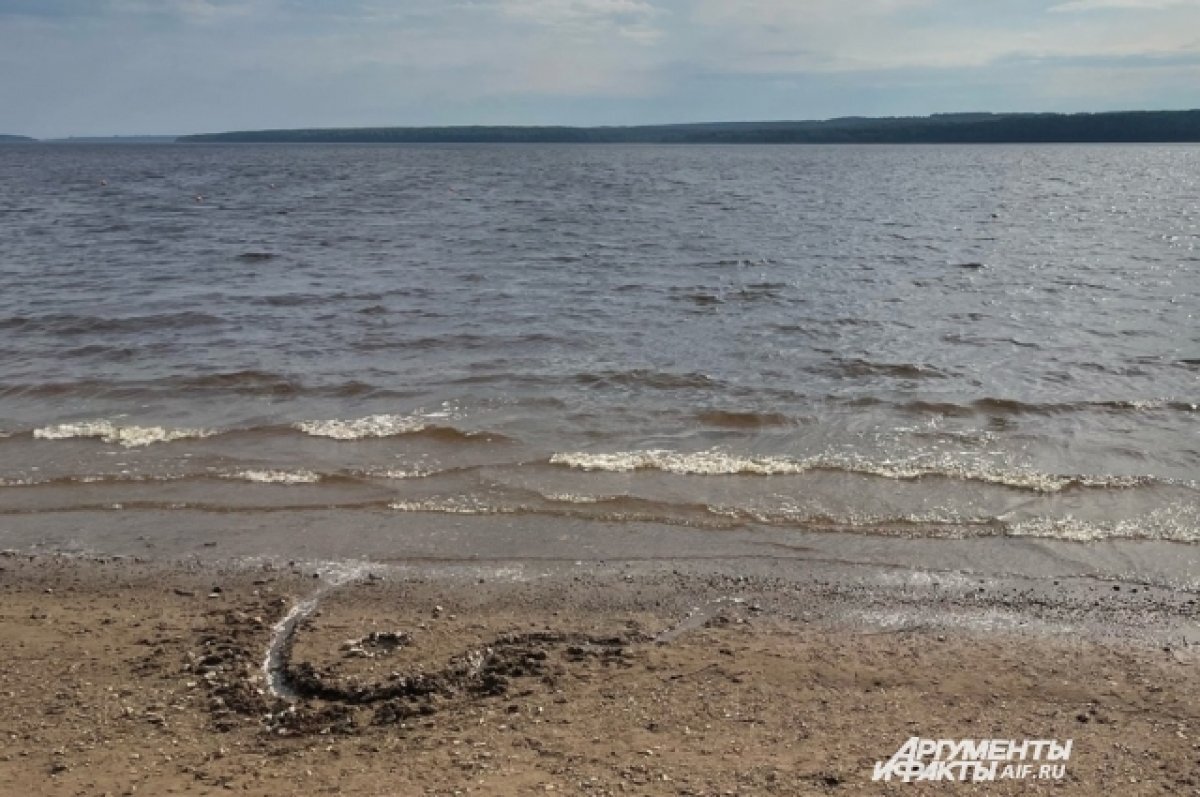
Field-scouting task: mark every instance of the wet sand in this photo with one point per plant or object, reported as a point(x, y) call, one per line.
point(131, 677)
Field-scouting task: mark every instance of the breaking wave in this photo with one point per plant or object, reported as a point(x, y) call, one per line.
point(127, 436)
point(1174, 523)
point(379, 426)
point(703, 463)
point(1177, 523)
point(454, 506)
point(261, 475)
point(277, 476)
point(717, 463)
point(370, 427)
point(360, 428)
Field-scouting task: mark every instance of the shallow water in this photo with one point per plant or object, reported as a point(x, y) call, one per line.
point(923, 341)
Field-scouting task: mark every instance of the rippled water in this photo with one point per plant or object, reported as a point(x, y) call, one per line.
point(904, 340)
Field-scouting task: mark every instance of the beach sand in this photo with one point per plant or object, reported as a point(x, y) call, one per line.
point(122, 677)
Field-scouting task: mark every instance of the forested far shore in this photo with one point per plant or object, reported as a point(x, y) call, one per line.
point(965, 128)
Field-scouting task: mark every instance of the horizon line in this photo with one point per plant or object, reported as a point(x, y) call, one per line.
point(622, 126)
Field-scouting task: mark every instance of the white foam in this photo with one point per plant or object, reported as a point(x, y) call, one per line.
point(124, 477)
point(127, 436)
point(704, 463)
point(1174, 523)
point(946, 523)
point(570, 498)
point(25, 482)
point(277, 476)
point(403, 473)
point(360, 428)
point(1149, 404)
point(947, 466)
point(452, 506)
point(718, 463)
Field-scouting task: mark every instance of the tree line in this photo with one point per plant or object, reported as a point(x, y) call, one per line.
point(965, 128)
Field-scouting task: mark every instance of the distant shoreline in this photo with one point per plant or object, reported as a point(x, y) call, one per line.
point(972, 128)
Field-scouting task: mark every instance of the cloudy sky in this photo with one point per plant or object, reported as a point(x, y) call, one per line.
point(79, 67)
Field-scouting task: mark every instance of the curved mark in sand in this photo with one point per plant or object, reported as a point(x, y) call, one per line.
point(483, 670)
point(274, 665)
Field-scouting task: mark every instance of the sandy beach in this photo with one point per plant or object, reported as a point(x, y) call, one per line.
point(126, 677)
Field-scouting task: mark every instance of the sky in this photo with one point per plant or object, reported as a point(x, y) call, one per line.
point(107, 67)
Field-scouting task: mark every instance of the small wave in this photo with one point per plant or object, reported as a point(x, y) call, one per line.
point(380, 426)
point(248, 382)
point(701, 298)
point(938, 523)
point(276, 476)
point(50, 389)
point(703, 463)
point(360, 428)
point(1121, 405)
point(717, 463)
point(709, 295)
point(402, 474)
point(251, 475)
point(1006, 406)
point(642, 377)
point(255, 382)
point(70, 324)
point(1173, 523)
point(759, 291)
point(946, 408)
point(609, 509)
point(633, 509)
point(256, 256)
point(860, 367)
point(630, 508)
point(375, 426)
point(92, 479)
point(294, 299)
point(127, 436)
point(739, 262)
point(453, 506)
point(742, 420)
point(571, 498)
point(1149, 404)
